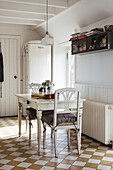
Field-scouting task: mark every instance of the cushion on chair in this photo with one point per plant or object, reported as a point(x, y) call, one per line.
point(47, 117)
point(31, 113)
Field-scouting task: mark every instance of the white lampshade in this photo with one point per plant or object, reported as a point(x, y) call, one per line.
point(47, 40)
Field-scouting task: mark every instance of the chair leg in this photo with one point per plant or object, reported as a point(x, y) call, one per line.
point(26, 124)
point(44, 135)
point(68, 138)
point(78, 141)
point(51, 133)
point(55, 143)
point(29, 129)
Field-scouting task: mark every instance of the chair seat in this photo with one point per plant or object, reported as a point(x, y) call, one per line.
point(62, 118)
point(31, 113)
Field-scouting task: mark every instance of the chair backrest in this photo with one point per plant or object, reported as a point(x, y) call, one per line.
point(67, 100)
point(34, 87)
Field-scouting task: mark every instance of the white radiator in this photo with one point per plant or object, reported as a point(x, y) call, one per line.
point(98, 121)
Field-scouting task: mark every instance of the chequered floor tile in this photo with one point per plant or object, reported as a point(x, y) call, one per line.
point(16, 153)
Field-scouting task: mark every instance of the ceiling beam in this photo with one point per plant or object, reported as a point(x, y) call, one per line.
point(19, 21)
point(22, 19)
point(28, 8)
point(52, 3)
point(5, 13)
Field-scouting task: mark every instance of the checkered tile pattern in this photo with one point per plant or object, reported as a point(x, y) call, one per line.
point(18, 154)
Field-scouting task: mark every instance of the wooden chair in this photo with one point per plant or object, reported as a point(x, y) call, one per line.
point(66, 117)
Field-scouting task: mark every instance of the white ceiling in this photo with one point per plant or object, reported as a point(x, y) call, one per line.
point(31, 12)
point(82, 16)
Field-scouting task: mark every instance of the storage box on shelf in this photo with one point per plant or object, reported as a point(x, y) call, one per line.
point(93, 43)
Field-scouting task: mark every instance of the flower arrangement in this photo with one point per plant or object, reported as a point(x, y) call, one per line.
point(48, 83)
point(47, 87)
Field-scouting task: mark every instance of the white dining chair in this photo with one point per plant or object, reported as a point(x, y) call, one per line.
point(33, 87)
point(30, 112)
point(66, 117)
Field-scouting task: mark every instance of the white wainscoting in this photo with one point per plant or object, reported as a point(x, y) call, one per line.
point(96, 93)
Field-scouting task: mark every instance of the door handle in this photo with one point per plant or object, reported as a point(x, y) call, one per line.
point(15, 77)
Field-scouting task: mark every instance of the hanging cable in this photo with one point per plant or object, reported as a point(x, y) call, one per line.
point(0, 48)
point(47, 16)
point(1, 71)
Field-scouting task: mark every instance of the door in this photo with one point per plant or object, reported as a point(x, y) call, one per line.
point(10, 47)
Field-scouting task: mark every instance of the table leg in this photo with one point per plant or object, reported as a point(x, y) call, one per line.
point(39, 115)
point(19, 117)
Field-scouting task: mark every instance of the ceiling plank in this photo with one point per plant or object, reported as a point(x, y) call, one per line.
point(27, 8)
point(52, 3)
point(5, 13)
point(18, 18)
point(19, 21)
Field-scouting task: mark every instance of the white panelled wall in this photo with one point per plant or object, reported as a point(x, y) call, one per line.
point(103, 94)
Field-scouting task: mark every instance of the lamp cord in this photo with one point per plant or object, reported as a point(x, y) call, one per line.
point(0, 48)
point(47, 16)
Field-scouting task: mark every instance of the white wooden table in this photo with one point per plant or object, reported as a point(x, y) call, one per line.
point(39, 105)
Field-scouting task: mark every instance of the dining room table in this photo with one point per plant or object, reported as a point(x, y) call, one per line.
point(40, 105)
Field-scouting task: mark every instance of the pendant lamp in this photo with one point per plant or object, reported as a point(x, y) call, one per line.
point(47, 40)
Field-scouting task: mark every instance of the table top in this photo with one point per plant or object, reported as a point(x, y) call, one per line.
point(29, 98)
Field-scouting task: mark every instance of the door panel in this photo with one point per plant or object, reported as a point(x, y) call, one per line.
point(10, 86)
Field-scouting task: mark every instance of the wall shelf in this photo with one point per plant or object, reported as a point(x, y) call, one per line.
point(93, 43)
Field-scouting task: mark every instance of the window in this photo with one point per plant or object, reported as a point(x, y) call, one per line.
point(71, 70)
